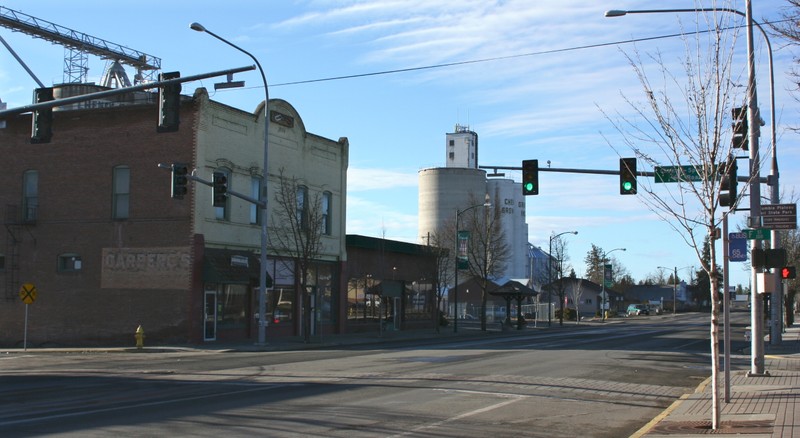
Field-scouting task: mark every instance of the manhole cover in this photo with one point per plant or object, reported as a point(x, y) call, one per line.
point(704, 427)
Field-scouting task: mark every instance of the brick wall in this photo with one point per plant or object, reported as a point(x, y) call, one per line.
point(74, 216)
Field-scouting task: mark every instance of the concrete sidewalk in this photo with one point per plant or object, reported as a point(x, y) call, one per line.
point(759, 407)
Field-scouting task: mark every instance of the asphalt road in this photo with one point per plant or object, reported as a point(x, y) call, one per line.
point(593, 381)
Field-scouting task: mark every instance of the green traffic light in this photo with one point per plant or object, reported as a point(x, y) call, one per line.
point(627, 186)
point(529, 187)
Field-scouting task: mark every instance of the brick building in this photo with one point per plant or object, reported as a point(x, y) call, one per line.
point(89, 222)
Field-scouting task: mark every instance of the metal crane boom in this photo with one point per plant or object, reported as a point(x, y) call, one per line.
point(79, 41)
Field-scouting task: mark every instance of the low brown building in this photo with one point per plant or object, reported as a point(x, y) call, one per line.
point(390, 285)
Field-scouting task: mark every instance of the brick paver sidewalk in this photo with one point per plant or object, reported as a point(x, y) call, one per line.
point(760, 406)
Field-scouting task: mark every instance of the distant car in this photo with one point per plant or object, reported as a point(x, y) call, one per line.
point(637, 310)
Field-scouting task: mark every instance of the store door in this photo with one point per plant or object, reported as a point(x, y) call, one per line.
point(210, 316)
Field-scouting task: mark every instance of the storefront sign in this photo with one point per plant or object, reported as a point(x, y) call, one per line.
point(146, 268)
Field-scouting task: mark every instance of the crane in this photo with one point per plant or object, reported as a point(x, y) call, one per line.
point(78, 45)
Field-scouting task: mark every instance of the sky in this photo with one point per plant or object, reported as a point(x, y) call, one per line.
point(532, 78)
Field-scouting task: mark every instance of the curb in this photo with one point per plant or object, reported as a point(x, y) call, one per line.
point(644, 430)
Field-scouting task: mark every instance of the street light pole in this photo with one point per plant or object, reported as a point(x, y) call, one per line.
point(262, 283)
point(455, 261)
point(550, 276)
point(603, 293)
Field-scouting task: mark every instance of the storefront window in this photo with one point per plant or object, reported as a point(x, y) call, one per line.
point(363, 298)
point(281, 304)
point(324, 290)
point(232, 306)
point(419, 300)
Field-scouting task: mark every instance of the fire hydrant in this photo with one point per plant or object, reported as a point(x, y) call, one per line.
point(139, 337)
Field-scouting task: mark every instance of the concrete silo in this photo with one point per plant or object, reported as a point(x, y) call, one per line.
point(507, 196)
point(442, 191)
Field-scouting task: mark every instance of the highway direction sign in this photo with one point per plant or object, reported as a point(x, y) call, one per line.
point(779, 216)
point(737, 247)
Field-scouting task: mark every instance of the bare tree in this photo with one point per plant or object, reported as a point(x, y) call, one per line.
point(576, 294)
point(683, 122)
point(789, 29)
point(487, 251)
point(298, 223)
point(443, 269)
point(561, 256)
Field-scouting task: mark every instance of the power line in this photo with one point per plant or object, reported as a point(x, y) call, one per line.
point(484, 60)
point(474, 61)
point(497, 58)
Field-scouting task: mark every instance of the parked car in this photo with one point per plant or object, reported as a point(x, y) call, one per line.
point(638, 309)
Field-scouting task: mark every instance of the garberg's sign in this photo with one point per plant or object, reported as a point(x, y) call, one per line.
point(146, 268)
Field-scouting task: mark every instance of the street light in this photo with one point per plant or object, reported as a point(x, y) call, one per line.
point(550, 277)
point(675, 287)
point(262, 284)
point(603, 293)
point(455, 260)
point(756, 321)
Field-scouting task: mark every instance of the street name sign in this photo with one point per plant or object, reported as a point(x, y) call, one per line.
point(667, 174)
point(757, 234)
point(779, 216)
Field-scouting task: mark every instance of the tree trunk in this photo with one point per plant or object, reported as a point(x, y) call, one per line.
point(715, 406)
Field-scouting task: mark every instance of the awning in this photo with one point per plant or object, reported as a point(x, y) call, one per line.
point(513, 289)
point(231, 267)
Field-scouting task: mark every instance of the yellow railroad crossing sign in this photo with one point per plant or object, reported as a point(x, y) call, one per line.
point(27, 293)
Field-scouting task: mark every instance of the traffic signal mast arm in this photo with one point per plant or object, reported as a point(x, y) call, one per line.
point(116, 91)
point(192, 177)
point(595, 172)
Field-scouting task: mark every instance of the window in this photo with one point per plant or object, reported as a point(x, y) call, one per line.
point(255, 193)
point(452, 142)
point(69, 263)
point(120, 192)
point(300, 208)
point(281, 302)
point(223, 213)
point(232, 306)
point(30, 195)
point(327, 213)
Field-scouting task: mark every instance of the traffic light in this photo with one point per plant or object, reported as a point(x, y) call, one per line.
point(768, 258)
point(627, 176)
point(219, 189)
point(530, 177)
point(788, 272)
point(727, 187)
point(740, 128)
point(42, 120)
point(180, 180)
point(169, 103)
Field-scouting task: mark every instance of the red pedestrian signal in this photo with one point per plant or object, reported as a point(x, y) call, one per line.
point(788, 272)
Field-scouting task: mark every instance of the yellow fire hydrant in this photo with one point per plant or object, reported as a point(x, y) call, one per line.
point(139, 337)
